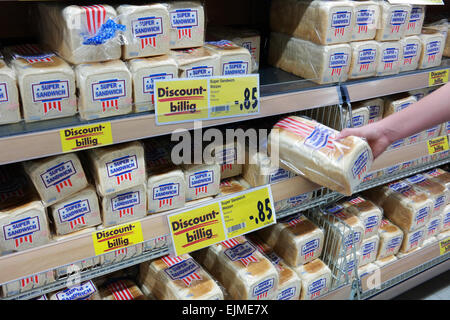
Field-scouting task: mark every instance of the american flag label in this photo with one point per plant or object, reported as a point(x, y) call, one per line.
point(50, 93)
point(22, 230)
point(409, 52)
point(432, 49)
point(120, 291)
point(309, 248)
point(120, 169)
point(182, 269)
point(242, 252)
point(124, 203)
point(365, 58)
point(165, 193)
point(389, 56)
point(234, 68)
point(337, 62)
point(95, 16)
point(108, 92)
point(200, 72)
point(59, 176)
point(416, 15)
point(360, 165)
point(279, 175)
point(32, 54)
point(316, 287)
point(147, 29)
point(398, 17)
point(339, 21)
point(29, 280)
point(80, 292)
point(261, 290)
point(183, 20)
point(200, 181)
point(287, 294)
point(364, 18)
point(75, 213)
point(148, 83)
point(3, 92)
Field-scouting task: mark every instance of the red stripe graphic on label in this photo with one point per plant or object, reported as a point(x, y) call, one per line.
point(95, 17)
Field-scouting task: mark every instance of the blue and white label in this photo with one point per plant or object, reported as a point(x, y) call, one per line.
point(50, 90)
point(200, 179)
point(317, 286)
point(352, 239)
point(400, 187)
point(338, 60)
point(433, 225)
point(394, 243)
point(402, 106)
point(341, 19)
point(365, 17)
point(121, 165)
point(318, 138)
point(263, 287)
point(439, 202)
point(226, 156)
point(287, 294)
point(183, 18)
point(416, 237)
point(3, 92)
point(422, 214)
point(375, 112)
point(234, 68)
point(357, 121)
point(299, 199)
point(147, 27)
point(333, 209)
point(148, 85)
point(22, 227)
point(416, 14)
point(390, 55)
point(166, 191)
point(108, 89)
point(410, 50)
point(366, 56)
point(126, 200)
point(74, 210)
point(392, 169)
point(58, 173)
point(418, 178)
point(240, 251)
point(310, 246)
point(433, 47)
point(447, 218)
point(182, 269)
point(360, 164)
point(80, 292)
point(279, 175)
point(368, 248)
point(200, 72)
point(371, 222)
point(398, 17)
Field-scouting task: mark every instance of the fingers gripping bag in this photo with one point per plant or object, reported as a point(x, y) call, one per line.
point(309, 148)
point(81, 34)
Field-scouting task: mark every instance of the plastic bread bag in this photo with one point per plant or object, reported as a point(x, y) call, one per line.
point(394, 20)
point(310, 149)
point(81, 34)
point(234, 60)
point(444, 27)
point(120, 289)
point(433, 45)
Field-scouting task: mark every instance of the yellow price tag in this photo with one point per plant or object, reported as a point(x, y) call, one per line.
point(85, 137)
point(438, 144)
point(248, 211)
point(437, 77)
point(118, 237)
point(444, 246)
point(197, 228)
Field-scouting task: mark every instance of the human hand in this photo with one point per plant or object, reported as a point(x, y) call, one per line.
point(375, 135)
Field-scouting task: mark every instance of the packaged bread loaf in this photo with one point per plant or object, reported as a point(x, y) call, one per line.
point(441, 176)
point(433, 227)
point(202, 180)
point(318, 63)
point(122, 289)
point(375, 106)
point(363, 62)
point(84, 291)
point(196, 63)
point(393, 21)
point(322, 22)
point(144, 73)
point(187, 24)
point(9, 95)
point(116, 168)
point(289, 284)
point(57, 177)
point(415, 21)
point(104, 89)
point(124, 206)
point(389, 58)
point(226, 156)
point(178, 278)
point(446, 218)
point(435, 191)
point(367, 270)
point(432, 48)
point(244, 272)
point(368, 250)
point(412, 48)
point(369, 214)
point(232, 185)
point(310, 148)
point(360, 117)
point(367, 14)
point(46, 83)
point(346, 268)
point(76, 212)
point(30, 282)
point(81, 34)
point(147, 30)
point(413, 240)
point(234, 60)
point(316, 279)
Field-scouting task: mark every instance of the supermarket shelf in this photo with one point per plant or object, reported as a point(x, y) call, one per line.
point(342, 293)
point(382, 86)
point(408, 269)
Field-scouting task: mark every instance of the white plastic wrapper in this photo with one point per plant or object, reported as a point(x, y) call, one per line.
point(196, 63)
point(9, 95)
point(413, 240)
point(202, 180)
point(316, 279)
point(121, 289)
point(309, 148)
point(360, 117)
point(446, 218)
point(436, 191)
point(415, 21)
point(364, 59)
point(46, 82)
point(318, 63)
point(441, 176)
point(187, 24)
point(81, 34)
point(390, 57)
point(322, 22)
point(391, 238)
point(433, 227)
point(368, 250)
point(369, 214)
point(232, 185)
point(412, 48)
point(367, 15)
point(375, 106)
point(147, 30)
point(432, 49)
point(443, 27)
point(234, 60)
point(393, 21)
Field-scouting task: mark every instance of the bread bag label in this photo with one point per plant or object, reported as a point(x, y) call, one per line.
point(388, 57)
point(182, 269)
point(80, 292)
point(3, 92)
point(227, 155)
point(310, 247)
point(287, 294)
point(360, 165)
point(235, 68)
point(201, 180)
point(401, 187)
point(367, 249)
point(415, 238)
point(394, 244)
point(261, 290)
point(374, 113)
point(242, 252)
point(416, 15)
point(357, 121)
point(149, 82)
point(59, 175)
point(422, 214)
point(433, 226)
point(200, 72)
point(146, 29)
point(109, 92)
point(184, 20)
point(340, 20)
point(279, 175)
point(351, 239)
point(409, 52)
point(370, 223)
point(432, 49)
point(446, 222)
point(315, 287)
point(337, 62)
point(365, 58)
point(50, 93)
point(74, 212)
point(398, 18)
point(350, 266)
point(121, 168)
point(364, 18)
point(120, 291)
point(433, 132)
point(22, 230)
point(165, 193)
point(297, 200)
point(124, 203)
